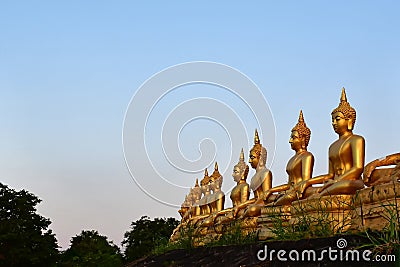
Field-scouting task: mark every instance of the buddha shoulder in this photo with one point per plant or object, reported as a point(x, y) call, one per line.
point(356, 139)
point(307, 155)
point(351, 139)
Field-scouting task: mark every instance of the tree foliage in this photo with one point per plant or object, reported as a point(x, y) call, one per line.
point(25, 239)
point(146, 234)
point(89, 248)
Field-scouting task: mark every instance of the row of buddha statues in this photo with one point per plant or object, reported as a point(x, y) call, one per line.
point(204, 204)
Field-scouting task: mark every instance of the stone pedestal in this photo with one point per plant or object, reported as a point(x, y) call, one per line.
point(248, 225)
point(377, 207)
point(272, 218)
point(332, 213)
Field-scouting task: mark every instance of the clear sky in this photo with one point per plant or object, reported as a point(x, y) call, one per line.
point(68, 71)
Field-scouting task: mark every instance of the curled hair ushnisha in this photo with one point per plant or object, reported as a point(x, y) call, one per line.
point(257, 146)
point(302, 129)
point(215, 176)
point(344, 107)
point(206, 178)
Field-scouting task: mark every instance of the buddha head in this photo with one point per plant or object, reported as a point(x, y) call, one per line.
point(196, 192)
point(255, 151)
point(344, 116)
point(216, 178)
point(301, 134)
point(241, 169)
point(188, 199)
point(205, 182)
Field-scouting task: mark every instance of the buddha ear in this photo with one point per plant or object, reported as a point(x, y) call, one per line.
point(303, 143)
point(350, 124)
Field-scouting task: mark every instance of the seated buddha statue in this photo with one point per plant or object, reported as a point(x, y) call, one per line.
point(204, 203)
point(299, 167)
point(187, 203)
point(346, 157)
point(240, 193)
point(260, 183)
point(194, 209)
point(393, 175)
point(217, 198)
point(196, 196)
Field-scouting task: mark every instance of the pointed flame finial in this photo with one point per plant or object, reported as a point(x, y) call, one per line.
point(216, 166)
point(301, 118)
point(197, 183)
point(256, 138)
point(343, 97)
point(205, 172)
point(241, 159)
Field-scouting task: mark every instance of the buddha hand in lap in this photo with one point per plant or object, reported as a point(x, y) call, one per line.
point(346, 157)
point(299, 168)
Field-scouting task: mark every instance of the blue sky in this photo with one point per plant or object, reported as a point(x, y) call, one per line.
point(69, 69)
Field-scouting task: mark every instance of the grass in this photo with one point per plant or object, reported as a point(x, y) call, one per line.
point(386, 241)
point(234, 236)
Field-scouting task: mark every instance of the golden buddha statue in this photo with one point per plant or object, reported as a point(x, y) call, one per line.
point(217, 197)
point(206, 199)
point(187, 203)
point(261, 181)
point(196, 199)
point(390, 175)
point(299, 167)
point(240, 193)
point(194, 209)
point(346, 157)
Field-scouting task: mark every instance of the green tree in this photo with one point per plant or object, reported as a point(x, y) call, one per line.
point(25, 239)
point(89, 248)
point(146, 234)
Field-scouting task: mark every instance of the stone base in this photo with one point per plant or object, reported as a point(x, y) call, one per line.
point(205, 236)
point(334, 212)
point(272, 217)
point(377, 207)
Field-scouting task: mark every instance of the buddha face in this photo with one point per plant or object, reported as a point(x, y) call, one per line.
point(339, 123)
point(216, 184)
point(196, 194)
point(212, 185)
point(197, 197)
point(295, 141)
point(205, 188)
point(236, 174)
point(253, 159)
